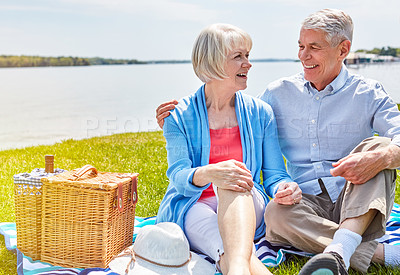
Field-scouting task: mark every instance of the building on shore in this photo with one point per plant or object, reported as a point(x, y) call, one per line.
point(355, 58)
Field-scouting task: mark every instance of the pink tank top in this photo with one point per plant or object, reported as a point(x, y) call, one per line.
point(225, 145)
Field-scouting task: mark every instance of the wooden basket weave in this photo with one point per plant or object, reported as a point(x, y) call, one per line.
point(28, 205)
point(28, 210)
point(87, 217)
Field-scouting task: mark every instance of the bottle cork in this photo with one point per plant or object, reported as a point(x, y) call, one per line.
point(49, 164)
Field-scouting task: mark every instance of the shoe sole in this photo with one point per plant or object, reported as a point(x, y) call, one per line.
point(322, 271)
point(321, 264)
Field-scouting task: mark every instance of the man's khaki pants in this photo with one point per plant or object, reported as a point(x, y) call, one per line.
point(311, 224)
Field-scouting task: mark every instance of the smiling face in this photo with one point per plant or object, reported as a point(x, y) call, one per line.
point(321, 62)
point(236, 68)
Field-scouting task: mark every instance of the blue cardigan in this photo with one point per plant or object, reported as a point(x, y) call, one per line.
point(187, 134)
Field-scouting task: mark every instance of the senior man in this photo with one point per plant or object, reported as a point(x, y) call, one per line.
point(327, 119)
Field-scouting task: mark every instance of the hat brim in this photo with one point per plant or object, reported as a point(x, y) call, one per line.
point(196, 266)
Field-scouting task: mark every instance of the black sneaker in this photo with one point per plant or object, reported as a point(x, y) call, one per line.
point(329, 263)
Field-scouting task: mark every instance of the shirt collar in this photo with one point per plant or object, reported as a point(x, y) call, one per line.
point(332, 87)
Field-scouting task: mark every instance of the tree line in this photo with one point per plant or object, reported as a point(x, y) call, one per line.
point(7, 61)
point(383, 51)
point(40, 61)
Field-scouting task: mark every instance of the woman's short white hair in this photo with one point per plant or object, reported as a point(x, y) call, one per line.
point(211, 48)
point(337, 25)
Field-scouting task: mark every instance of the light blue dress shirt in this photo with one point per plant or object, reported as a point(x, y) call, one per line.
point(317, 128)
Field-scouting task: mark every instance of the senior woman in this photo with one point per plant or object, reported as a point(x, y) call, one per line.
point(219, 140)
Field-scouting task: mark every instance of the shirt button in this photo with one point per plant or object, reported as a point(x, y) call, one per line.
point(314, 145)
point(317, 97)
point(313, 121)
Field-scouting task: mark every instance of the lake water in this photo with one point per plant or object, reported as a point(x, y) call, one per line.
point(47, 105)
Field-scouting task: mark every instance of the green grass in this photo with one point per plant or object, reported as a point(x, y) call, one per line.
point(143, 153)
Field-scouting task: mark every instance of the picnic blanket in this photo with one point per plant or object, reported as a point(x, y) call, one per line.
point(269, 254)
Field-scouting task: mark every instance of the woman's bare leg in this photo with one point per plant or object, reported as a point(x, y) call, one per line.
point(237, 222)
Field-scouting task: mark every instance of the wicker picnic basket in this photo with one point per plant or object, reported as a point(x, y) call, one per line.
point(28, 209)
point(87, 217)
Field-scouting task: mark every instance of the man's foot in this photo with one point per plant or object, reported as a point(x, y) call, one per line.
point(329, 263)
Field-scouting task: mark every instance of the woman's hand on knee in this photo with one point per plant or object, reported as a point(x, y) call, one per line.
point(232, 175)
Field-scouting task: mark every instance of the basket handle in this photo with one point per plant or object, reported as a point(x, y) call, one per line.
point(84, 170)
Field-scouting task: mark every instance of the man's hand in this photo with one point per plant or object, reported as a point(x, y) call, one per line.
point(288, 193)
point(358, 168)
point(163, 111)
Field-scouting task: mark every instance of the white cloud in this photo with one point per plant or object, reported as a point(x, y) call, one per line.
point(51, 8)
point(158, 9)
point(161, 9)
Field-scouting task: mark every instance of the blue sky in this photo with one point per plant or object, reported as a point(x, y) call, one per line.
point(166, 29)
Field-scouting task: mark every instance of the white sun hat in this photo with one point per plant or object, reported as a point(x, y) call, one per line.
point(161, 249)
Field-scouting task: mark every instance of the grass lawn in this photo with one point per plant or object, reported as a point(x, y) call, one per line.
point(143, 153)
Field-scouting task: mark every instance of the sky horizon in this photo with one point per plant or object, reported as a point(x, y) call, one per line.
point(166, 29)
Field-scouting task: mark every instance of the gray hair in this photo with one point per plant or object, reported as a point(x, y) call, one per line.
point(337, 25)
point(211, 48)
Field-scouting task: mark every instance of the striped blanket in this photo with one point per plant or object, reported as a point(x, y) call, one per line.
point(269, 254)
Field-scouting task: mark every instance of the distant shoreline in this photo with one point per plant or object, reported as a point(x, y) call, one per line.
point(13, 61)
point(376, 55)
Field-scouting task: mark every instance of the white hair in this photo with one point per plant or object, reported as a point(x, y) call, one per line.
point(211, 48)
point(337, 25)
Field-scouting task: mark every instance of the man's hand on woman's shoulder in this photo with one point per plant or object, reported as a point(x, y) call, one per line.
point(163, 110)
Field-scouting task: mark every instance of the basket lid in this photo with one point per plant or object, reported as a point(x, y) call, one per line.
point(91, 178)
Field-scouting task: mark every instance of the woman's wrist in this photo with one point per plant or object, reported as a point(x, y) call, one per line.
point(201, 176)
